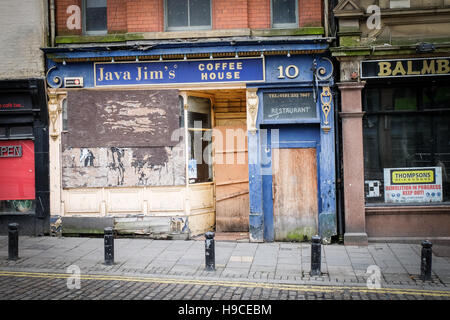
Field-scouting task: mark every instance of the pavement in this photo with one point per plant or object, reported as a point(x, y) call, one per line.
point(178, 266)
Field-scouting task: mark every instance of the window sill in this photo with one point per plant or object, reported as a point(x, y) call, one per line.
point(245, 32)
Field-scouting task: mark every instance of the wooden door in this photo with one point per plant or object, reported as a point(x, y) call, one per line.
point(295, 204)
point(231, 178)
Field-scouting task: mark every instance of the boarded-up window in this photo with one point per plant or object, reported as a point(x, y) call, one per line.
point(121, 118)
point(123, 138)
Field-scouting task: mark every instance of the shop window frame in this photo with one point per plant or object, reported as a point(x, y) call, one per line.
point(290, 25)
point(188, 27)
point(420, 109)
point(84, 20)
point(185, 95)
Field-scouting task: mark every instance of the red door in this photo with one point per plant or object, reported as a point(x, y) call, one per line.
point(17, 170)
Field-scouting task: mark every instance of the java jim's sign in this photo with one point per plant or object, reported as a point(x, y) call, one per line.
point(179, 72)
point(371, 69)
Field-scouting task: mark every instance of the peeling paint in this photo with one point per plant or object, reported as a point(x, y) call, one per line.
point(124, 167)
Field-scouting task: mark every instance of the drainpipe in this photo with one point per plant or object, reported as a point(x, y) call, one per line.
point(339, 183)
point(325, 18)
point(52, 22)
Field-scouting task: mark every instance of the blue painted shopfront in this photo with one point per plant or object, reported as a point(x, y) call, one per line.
point(305, 73)
point(315, 76)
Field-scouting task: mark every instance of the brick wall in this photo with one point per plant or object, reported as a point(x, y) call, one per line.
point(117, 16)
point(23, 33)
point(310, 13)
point(62, 16)
point(148, 15)
point(145, 15)
point(259, 14)
point(229, 14)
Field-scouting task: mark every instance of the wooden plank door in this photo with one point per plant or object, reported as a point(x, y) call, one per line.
point(294, 187)
point(231, 178)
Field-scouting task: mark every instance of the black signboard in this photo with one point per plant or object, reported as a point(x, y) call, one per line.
point(405, 68)
point(289, 106)
point(15, 101)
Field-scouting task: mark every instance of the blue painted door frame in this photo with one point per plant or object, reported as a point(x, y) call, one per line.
point(305, 133)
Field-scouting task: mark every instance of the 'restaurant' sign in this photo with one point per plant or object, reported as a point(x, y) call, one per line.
point(402, 185)
point(405, 68)
point(179, 72)
point(289, 105)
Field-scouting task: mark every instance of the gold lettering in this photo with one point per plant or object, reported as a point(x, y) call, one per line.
point(385, 69)
point(100, 78)
point(428, 68)
point(399, 69)
point(237, 75)
point(201, 67)
point(108, 76)
point(443, 66)
point(204, 76)
point(410, 69)
point(139, 74)
point(127, 75)
point(156, 75)
point(239, 65)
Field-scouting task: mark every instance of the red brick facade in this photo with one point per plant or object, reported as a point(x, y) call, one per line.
point(148, 15)
point(62, 16)
point(258, 14)
point(310, 13)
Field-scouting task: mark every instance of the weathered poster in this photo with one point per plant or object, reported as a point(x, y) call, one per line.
point(405, 185)
point(192, 169)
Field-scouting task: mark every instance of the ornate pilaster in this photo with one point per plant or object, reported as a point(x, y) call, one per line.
point(54, 111)
point(326, 98)
point(252, 109)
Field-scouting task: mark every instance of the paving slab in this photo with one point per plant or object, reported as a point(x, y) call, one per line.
point(398, 263)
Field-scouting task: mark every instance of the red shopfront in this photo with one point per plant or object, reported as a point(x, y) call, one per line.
point(24, 189)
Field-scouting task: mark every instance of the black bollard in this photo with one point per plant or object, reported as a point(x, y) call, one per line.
point(425, 265)
point(13, 241)
point(210, 256)
point(109, 246)
point(316, 256)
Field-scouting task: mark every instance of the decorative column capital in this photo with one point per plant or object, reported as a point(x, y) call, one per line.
point(351, 85)
point(54, 110)
point(252, 109)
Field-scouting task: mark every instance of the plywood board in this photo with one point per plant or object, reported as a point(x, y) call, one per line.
point(231, 177)
point(125, 118)
point(295, 203)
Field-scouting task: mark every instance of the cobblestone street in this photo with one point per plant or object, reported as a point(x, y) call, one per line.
point(36, 286)
point(175, 270)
